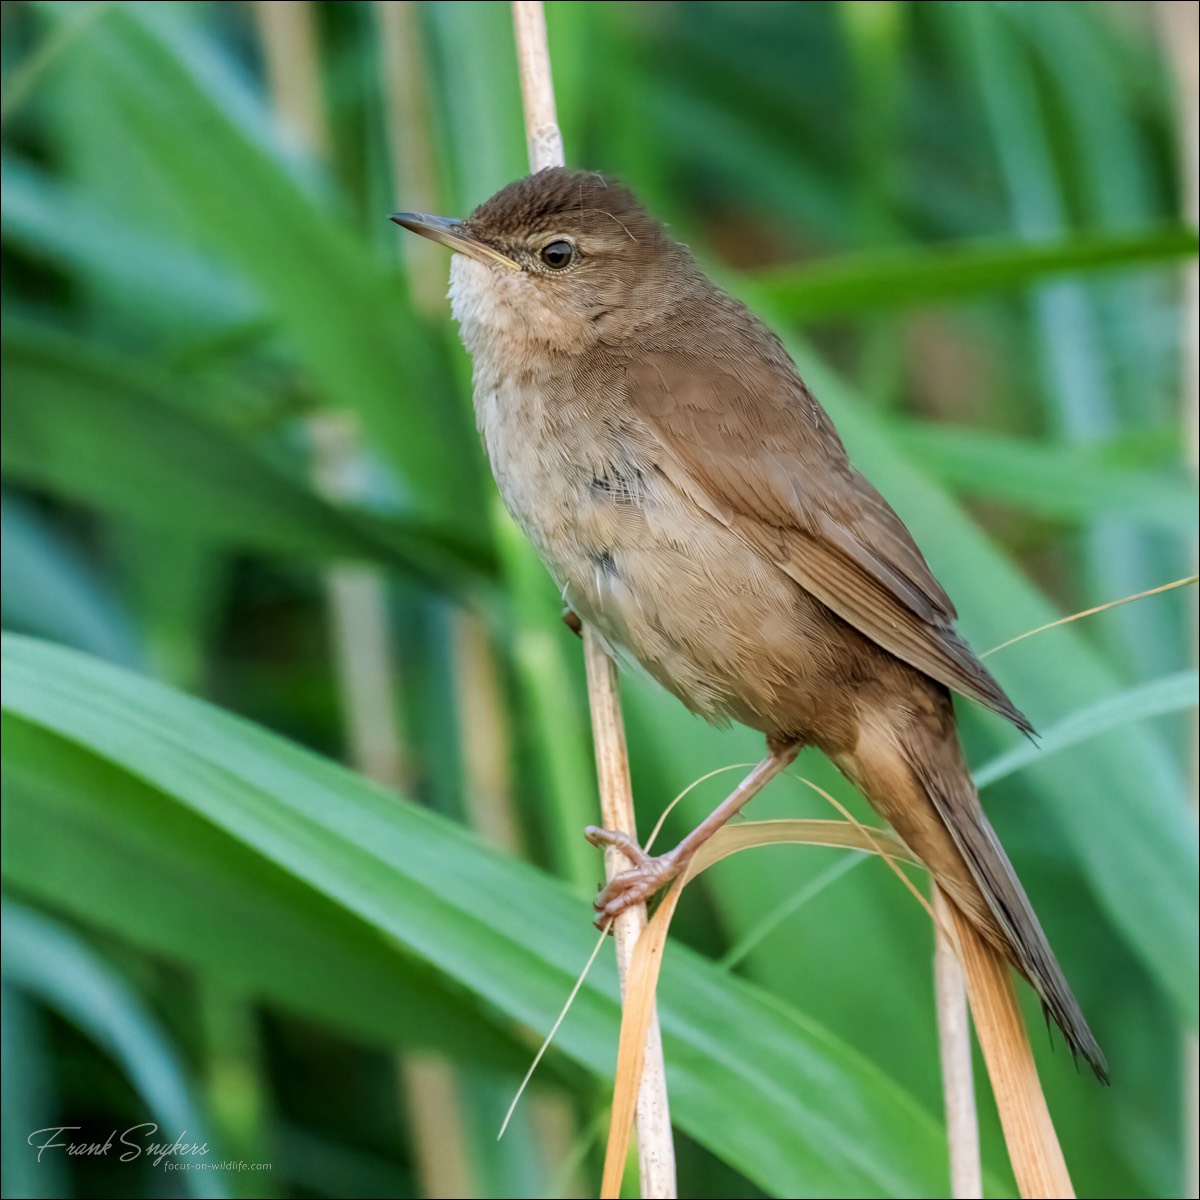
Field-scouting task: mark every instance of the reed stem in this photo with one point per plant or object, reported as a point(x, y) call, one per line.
point(656, 1150)
point(954, 1042)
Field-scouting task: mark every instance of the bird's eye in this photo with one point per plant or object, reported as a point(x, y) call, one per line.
point(558, 255)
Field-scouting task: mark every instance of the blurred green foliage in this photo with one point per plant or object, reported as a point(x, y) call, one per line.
point(965, 221)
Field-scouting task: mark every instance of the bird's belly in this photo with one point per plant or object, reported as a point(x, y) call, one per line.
point(708, 617)
point(666, 584)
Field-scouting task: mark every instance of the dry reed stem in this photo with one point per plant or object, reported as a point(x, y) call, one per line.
point(1186, 581)
point(537, 86)
point(638, 1021)
point(1033, 1147)
point(408, 124)
point(478, 690)
point(954, 1044)
point(292, 59)
point(430, 1083)
point(656, 1150)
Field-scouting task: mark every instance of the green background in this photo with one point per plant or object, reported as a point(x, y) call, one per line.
point(966, 221)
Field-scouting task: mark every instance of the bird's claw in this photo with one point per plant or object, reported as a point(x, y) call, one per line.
point(618, 839)
point(633, 887)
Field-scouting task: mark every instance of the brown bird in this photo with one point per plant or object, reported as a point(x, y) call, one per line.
point(695, 505)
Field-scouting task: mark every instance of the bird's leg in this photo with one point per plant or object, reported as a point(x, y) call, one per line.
point(649, 874)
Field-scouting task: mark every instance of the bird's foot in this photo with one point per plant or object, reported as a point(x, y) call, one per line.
point(637, 885)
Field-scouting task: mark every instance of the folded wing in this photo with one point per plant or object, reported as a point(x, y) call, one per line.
point(748, 443)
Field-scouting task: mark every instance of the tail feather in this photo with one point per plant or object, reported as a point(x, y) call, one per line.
point(1024, 941)
point(904, 777)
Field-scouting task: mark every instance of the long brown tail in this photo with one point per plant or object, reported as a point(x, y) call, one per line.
point(915, 777)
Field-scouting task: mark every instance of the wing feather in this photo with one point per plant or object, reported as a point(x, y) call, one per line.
point(749, 444)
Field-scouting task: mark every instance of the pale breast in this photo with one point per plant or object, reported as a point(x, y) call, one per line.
point(669, 588)
point(569, 482)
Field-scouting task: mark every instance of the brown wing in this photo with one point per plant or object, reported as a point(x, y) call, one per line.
point(748, 443)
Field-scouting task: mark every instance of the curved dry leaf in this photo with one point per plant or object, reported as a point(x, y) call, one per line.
point(837, 835)
point(640, 987)
point(642, 981)
point(1029, 1133)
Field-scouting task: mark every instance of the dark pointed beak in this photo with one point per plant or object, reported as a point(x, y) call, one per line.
point(455, 235)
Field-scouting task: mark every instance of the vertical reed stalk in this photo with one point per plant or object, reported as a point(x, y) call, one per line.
point(954, 1042)
point(656, 1151)
point(484, 732)
point(1033, 1147)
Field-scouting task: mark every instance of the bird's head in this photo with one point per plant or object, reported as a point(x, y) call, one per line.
point(562, 258)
